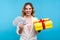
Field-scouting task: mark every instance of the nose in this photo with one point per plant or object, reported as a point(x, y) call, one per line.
point(28, 10)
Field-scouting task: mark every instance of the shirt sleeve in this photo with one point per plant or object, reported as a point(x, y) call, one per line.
point(35, 18)
point(17, 30)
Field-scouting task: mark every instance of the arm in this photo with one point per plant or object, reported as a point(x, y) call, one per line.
point(20, 29)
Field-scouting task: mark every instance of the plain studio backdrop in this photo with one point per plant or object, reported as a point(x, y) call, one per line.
point(9, 9)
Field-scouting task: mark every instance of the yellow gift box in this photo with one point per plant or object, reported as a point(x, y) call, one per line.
point(42, 24)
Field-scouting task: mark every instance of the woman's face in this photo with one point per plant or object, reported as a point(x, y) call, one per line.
point(28, 10)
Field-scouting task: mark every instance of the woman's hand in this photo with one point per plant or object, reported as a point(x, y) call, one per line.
point(38, 31)
point(20, 28)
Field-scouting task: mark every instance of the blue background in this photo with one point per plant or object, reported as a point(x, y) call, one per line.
point(9, 9)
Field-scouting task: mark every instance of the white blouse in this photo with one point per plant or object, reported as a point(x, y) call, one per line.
point(28, 32)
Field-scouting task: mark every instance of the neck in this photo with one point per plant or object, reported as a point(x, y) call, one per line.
point(28, 16)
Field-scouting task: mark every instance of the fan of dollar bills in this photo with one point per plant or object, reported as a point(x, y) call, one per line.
point(19, 20)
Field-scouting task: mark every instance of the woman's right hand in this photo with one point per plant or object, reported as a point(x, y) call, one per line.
point(20, 28)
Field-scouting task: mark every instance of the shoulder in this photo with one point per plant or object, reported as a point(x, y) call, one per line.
point(34, 18)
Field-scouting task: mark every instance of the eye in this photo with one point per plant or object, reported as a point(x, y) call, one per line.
point(25, 8)
point(30, 8)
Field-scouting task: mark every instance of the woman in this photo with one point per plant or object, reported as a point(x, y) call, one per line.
point(27, 31)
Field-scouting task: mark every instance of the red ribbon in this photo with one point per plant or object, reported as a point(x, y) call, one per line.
point(43, 24)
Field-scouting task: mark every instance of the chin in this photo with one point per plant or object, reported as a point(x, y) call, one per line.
point(28, 15)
